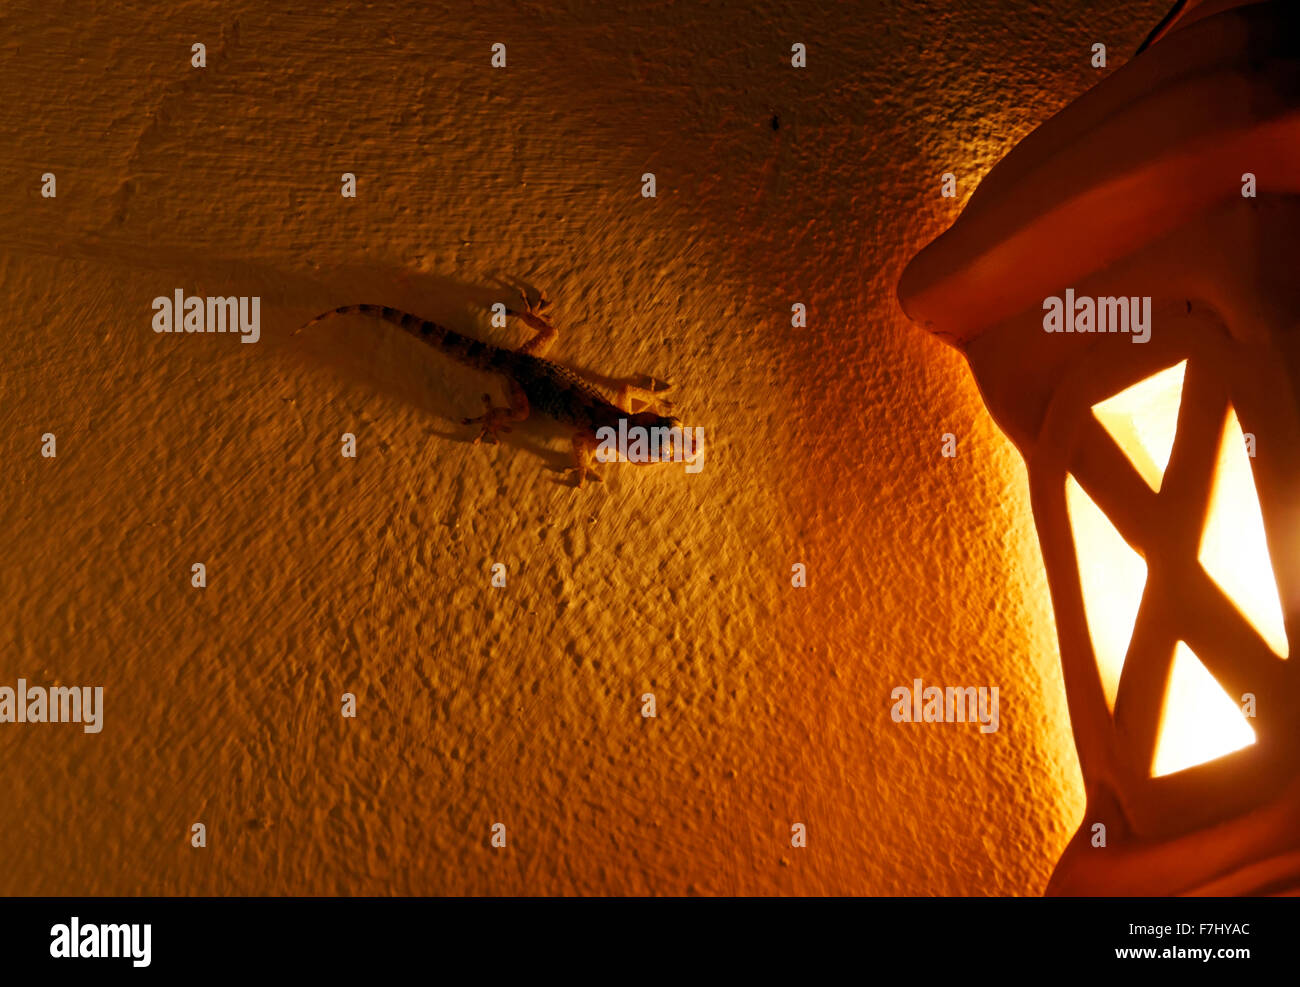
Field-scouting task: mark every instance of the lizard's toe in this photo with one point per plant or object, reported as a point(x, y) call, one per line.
point(645, 382)
point(536, 309)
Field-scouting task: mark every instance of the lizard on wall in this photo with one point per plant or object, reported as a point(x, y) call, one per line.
point(533, 383)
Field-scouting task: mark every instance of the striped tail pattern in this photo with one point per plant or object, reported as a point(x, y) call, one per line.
point(464, 349)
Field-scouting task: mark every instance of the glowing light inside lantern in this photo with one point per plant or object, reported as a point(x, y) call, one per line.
point(1112, 577)
point(1234, 551)
point(1143, 419)
point(1200, 720)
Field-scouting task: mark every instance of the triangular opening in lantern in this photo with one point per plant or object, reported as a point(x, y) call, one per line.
point(1112, 577)
point(1234, 550)
point(1143, 419)
point(1200, 722)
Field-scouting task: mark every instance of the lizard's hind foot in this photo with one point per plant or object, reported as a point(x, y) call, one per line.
point(494, 421)
point(538, 308)
point(534, 315)
point(583, 446)
point(533, 312)
point(577, 476)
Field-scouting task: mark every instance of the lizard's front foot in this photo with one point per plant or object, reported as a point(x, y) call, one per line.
point(645, 389)
point(493, 422)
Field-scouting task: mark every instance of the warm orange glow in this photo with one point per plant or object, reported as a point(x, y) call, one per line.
point(1142, 421)
point(1200, 720)
point(1112, 577)
point(1234, 551)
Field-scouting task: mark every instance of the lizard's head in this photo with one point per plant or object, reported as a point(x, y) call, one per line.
point(665, 428)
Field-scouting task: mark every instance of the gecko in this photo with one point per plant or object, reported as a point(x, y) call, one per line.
point(533, 383)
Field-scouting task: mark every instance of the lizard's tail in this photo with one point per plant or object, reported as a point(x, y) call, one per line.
point(464, 349)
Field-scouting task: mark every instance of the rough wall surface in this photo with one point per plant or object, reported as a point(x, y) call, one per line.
point(519, 705)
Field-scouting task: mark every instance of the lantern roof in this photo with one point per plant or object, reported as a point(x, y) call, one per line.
point(1212, 95)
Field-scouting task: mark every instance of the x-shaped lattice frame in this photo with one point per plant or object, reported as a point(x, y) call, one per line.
point(1180, 601)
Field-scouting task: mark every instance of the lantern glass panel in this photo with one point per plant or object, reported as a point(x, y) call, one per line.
point(1200, 721)
point(1112, 577)
point(1142, 420)
point(1234, 550)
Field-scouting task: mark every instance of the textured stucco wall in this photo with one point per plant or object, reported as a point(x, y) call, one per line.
point(371, 576)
